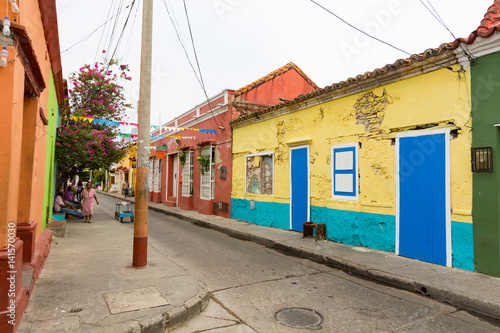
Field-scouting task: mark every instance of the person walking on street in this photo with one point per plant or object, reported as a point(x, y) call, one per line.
point(125, 187)
point(60, 207)
point(79, 189)
point(88, 197)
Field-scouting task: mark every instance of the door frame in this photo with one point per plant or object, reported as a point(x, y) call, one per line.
point(446, 132)
point(308, 182)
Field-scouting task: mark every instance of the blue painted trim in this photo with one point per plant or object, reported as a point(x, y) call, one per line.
point(345, 172)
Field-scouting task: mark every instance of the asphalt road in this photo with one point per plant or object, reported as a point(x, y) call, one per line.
point(252, 283)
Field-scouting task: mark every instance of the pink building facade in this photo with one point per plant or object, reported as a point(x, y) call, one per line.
point(191, 168)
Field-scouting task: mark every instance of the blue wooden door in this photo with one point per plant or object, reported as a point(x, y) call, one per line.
point(423, 197)
point(299, 196)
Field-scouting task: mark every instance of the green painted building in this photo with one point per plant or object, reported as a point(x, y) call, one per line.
point(481, 51)
point(53, 117)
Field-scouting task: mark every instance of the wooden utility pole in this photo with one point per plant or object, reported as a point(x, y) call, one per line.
point(140, 255)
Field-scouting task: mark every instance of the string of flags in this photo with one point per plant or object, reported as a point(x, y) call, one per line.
point(111, 123)
point(134, 136)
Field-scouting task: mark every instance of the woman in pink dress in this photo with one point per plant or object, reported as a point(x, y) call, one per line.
point(88, 197)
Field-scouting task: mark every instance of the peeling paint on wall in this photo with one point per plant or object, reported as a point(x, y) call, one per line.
point(369, 110)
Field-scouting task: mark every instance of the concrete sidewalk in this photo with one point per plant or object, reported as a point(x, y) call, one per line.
point(88, 285)
point(463, 289)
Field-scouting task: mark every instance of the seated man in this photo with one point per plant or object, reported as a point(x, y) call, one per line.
point(60, 207)
point(69, 198)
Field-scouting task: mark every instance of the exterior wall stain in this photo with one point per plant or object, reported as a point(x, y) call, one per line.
point(369, 110)
point(368, 119)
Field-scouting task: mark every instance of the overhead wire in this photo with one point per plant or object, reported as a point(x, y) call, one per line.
point(198, 63)
point(380, 40)
point(436, 15)
point(129, 41)
point(181, 42)
point(112, 36)
point(94, 31)
point(103, 31)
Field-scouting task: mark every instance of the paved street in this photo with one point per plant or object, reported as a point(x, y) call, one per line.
point(250, 283)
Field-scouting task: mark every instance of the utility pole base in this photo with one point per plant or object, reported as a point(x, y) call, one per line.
point(140, 255)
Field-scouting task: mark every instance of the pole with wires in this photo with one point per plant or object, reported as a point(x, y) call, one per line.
point(140, 253)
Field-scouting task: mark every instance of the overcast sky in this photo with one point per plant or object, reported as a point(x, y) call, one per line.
point(239, 41)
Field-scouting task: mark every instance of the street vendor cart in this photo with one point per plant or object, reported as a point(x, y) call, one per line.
point(124, 209)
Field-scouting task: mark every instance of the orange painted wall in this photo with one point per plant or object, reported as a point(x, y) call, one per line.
point(23, 175)
point(11, 112)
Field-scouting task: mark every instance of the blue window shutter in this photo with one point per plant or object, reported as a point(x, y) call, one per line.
point(345, 172)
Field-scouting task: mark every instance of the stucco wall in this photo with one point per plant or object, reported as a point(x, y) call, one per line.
point(371, 118)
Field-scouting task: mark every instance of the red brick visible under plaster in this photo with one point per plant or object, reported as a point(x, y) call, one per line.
point(27, 233)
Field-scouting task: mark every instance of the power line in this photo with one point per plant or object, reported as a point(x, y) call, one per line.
point(379, 40)
point(359, 30)
point(436, 15)
point(198, 63)
point(129, 42)
point(93, 32)
point(102, 34)
point(181, 42)
point(112, 36)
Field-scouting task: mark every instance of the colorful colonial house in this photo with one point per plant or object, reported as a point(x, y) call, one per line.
point(31, 88)
point(124, 171)
point(382, 159)
point(191, 167)
point(483, 60)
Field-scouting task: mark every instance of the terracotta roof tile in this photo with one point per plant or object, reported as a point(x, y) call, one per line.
point(271, 76)
point(429, 53)
point(489, 24)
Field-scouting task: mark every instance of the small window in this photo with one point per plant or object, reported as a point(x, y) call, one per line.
point(345, 182)
point(208, 178)
point(260, 174)
point(187, 175)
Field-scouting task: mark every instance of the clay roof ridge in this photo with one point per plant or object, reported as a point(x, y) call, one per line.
point(421, 57)
point(273, 75)
point(489, 24)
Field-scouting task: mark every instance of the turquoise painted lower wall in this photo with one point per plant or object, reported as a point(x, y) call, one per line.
point(462, 245)
point(267, 214)
point(375, 231)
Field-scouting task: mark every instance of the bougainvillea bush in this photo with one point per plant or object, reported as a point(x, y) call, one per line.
point(95, 92)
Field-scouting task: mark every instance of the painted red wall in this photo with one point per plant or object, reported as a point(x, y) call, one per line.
point(222, 143)
point(288, 86)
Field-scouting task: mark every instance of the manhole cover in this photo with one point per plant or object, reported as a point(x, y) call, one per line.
point(299, 318)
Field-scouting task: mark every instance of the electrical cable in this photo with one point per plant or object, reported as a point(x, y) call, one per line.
point(112, 36)
point(438, 18)
point(129, 42)
point(182, 43)
point(377, 39)
point(93, 32)
point(198, 63)
point(359, 30)
point(102, 34)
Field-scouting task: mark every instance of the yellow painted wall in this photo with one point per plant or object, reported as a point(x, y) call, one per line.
point(424, 99)
point(126, 162)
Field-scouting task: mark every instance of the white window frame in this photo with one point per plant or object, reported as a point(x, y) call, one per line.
point(211, 172)
point(187, 170)
point(246, 169)
point(355, 171)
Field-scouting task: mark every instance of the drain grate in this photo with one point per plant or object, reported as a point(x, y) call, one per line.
point(299, 318)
